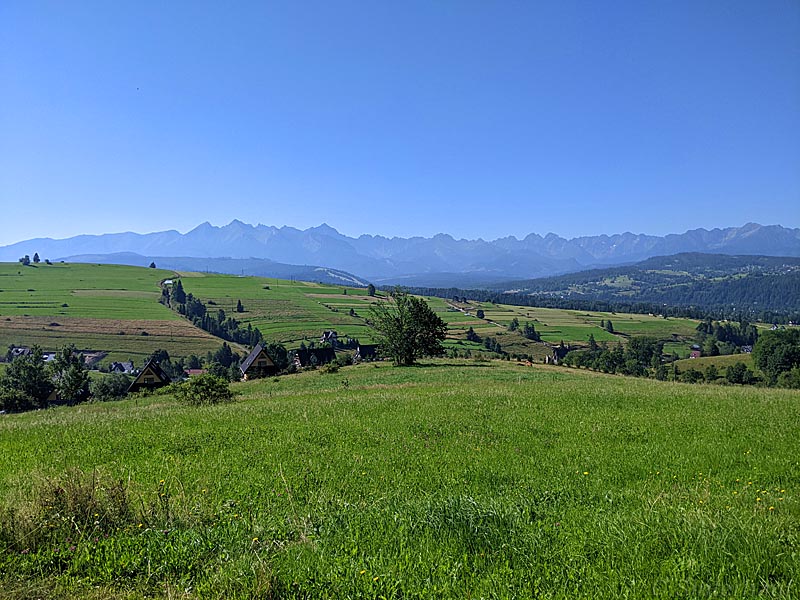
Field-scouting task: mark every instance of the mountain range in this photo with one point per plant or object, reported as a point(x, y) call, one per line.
point(438, 260)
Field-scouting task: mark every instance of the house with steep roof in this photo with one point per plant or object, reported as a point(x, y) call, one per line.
point(151, 377)
point(258, 364)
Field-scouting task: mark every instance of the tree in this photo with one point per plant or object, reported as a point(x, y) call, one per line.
point(36, 258)
point(70, 375)
point(152, 265)
point(25, 383)
point(25, 260)
point(239, 307)
point(370, 290)
point(609, 326)
point(480, 314)
point(739, 373)
point(110, 387)
point(529, 331)
point(777, 352)
point(514, 325)
point(178, 296)
point(407, 328)
point(472, 336)
point(712, 373)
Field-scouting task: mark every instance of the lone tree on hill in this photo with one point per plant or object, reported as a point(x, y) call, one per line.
point(36, 257)
point(370, 290)
point(407, 328)
point(152, 265)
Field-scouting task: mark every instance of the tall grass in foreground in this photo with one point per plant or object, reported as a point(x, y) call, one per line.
point(450, 480)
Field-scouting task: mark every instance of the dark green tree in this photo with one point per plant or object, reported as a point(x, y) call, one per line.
point(152, 265)
point(777, 352)
point(370, 290)
point(70, 376)
point(178, 296)
point(109, 387)
point(407, 328)
point(239, 307)
point(609, 326)
point(739, 373)
point(480, 314)
point(514, 325)
point(25, 384)
point(36, 258)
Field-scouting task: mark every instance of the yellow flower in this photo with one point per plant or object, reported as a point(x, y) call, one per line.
point(586, 472)
point(362, 571)
point(375, 578)
point(772, 508)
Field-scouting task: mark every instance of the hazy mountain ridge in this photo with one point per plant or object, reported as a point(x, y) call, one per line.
point(260, 267)
point(383, 259)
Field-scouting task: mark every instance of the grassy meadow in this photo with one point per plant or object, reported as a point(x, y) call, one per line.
point(112, 308)
point(456, 479)
point(115, 308)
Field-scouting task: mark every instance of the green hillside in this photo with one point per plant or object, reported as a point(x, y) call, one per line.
point(115, 309)
point(450, 480)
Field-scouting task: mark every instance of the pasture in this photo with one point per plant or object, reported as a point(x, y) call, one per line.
point(115, 309)
point(459, 479)
point(111, 308)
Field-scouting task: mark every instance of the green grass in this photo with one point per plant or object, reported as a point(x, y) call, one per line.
point(452, 480)
point(88, 290)
point(721, 362)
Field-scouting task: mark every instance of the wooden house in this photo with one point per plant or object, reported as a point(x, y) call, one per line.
point(151, 377)
point(258, 364)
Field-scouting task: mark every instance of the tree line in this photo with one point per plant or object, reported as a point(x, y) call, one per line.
point(216, 323)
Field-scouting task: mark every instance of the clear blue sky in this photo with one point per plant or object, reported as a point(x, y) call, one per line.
point(479, 119)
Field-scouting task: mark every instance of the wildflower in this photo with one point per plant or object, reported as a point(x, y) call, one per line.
point(772, 508)
point(255, 539)
point(586, 472)
point(375, 578)
point(362, 571)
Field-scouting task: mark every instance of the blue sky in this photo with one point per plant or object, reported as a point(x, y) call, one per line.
point(479, 119)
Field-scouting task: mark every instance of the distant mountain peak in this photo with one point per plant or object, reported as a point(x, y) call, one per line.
point(398, 259)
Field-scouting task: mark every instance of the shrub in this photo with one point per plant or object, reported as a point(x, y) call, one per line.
point(204, 389)
point(110, 387)
point(330, 368)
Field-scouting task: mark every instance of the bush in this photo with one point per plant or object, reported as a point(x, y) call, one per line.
point(330, 368)
point(204, 389)
point(110, 387)
point(790, 379)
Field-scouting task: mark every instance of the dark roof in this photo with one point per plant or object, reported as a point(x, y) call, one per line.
point(155, 369)
point(247, 362)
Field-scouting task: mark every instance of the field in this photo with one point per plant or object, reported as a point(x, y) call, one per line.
point(720, 362)
point(458, 479)
point(115, 308)
point(96, 307)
